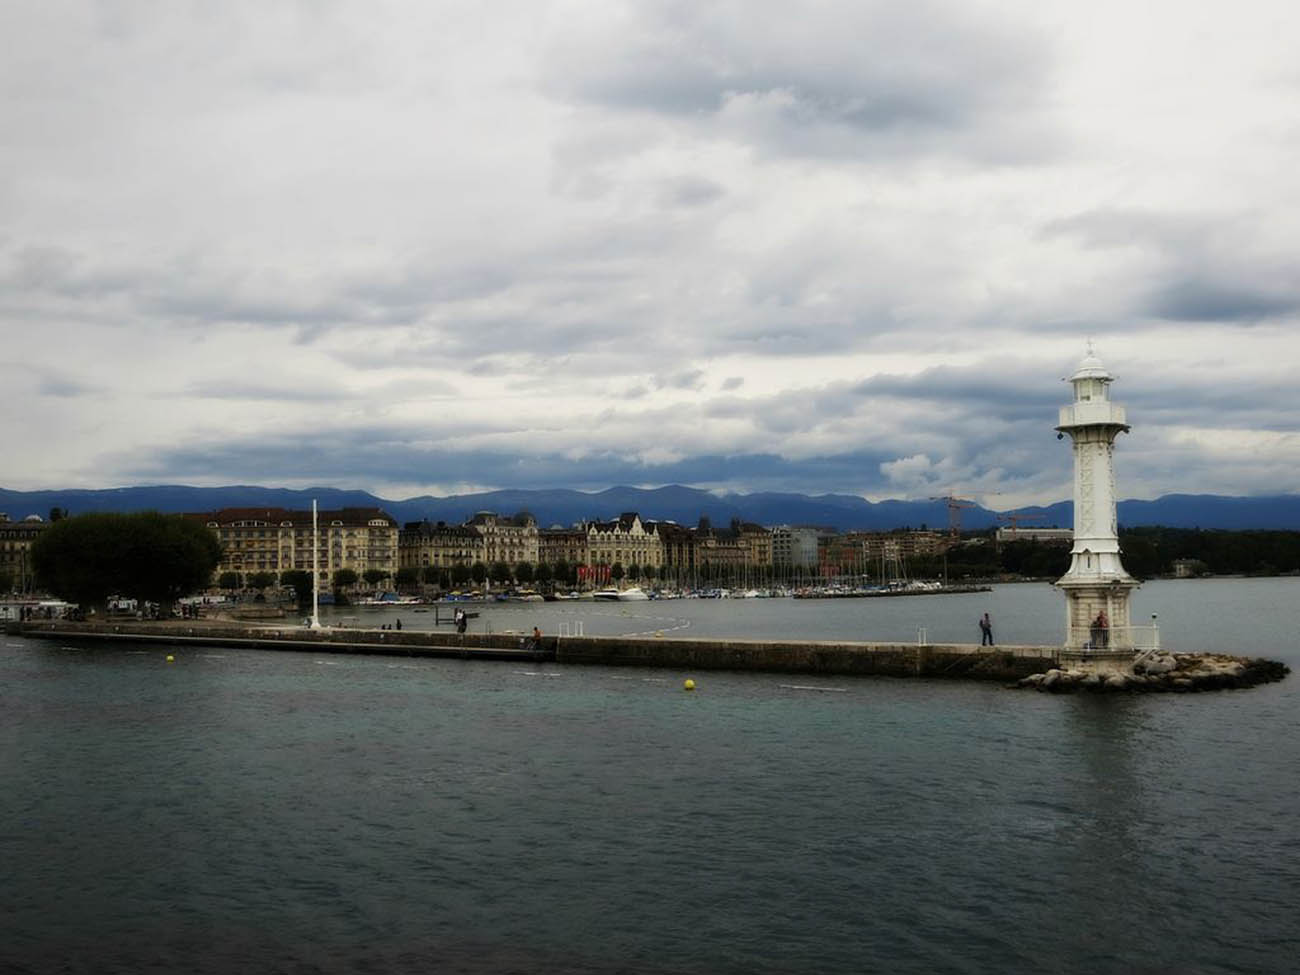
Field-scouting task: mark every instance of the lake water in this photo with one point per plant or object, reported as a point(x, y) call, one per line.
point(257, 811)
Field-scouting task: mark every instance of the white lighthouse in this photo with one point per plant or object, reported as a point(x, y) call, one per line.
point(1098, 630)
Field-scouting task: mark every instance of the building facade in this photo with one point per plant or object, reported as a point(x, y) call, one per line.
point(16, 538)
point(624, 541)
point(425, 545)
point(507, 539)
point(278, 540)
point(795, 548)
point(562, 545)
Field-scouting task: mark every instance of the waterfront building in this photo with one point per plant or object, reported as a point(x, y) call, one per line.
point(423, 545)
point(625, 540)
point(567, 545)
point(882, 555)
point(795, 548)
point(1098, 630)
point(277, 539)
point(843, 554)
point(677, 545)
point(510, 540)
point(719, 555)
point(757, 542)
point(16, 538)
point(1047, 536)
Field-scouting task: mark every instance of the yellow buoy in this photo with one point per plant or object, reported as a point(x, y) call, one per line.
point(170, 658)
point(689, 685)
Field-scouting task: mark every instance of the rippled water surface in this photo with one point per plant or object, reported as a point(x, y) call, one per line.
point(282, 811)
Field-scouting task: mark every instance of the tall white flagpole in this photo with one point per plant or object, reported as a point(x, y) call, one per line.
point(315, 569)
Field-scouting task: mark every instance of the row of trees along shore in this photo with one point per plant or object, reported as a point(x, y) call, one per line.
point(1147, 552)
point(159, 558)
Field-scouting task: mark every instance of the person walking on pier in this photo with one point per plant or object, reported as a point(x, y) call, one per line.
point(986, 631)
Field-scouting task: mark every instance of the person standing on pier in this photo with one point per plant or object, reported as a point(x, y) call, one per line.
point(986, 631)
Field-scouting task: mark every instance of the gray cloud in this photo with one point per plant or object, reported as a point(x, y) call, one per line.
point(1196, 267)
point(832, 247)
point(816, 79)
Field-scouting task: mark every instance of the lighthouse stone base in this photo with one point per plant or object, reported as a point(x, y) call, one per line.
point(1095, 648)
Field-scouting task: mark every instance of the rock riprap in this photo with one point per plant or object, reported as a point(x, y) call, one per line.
point(1165, 672)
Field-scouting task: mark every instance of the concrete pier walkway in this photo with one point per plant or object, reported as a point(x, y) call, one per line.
point(967, 661)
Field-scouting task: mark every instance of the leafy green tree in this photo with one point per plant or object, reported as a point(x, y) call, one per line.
point(260, 580)
point(229, 580)
point(6, 580)
point(616, 571)
point(542, 573)
point(407, 576)
point(562, 572)
point(145, 556)
point(500, 573)
point(524, 572)
point(374, 577)
point(634, 572)
point(344, 578)
point(431, 575)
point(478, 572)
point(300, 581)
point(461, 574)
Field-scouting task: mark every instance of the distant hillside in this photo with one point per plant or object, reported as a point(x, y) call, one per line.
point(673, 503)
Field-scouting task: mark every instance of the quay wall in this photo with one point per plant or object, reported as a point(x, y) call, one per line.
point(966, 661)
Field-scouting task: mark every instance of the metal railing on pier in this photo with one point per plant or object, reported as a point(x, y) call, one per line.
point(1136, 637)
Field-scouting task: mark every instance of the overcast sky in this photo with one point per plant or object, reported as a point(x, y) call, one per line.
point(434, 247)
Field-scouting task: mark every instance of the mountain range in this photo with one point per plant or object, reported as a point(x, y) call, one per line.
point(684, 505)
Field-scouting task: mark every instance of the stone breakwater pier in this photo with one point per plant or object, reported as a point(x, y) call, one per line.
point(1036, 667)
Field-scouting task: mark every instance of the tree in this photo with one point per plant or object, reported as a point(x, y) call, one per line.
point(461, 574)
point(542, 573)
point(344, 578)
point(229, 580)
point(300, 580)
point(524, 572)
point(407, 576)
point(634, 572)
point(374, 577)
point(478, 572)
point(260, 580)
point(145, 556)
point(58, 514)
point(6, 580)
point(500, 573)
point(431, 575)
point(562, 572)
point(616, 571)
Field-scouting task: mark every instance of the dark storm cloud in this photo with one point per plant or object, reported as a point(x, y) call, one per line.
point(393, 460)
point(1202, 299)
point(790, 78)
point(1195, 267)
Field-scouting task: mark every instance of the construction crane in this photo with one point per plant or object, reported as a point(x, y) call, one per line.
point(954, 513)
